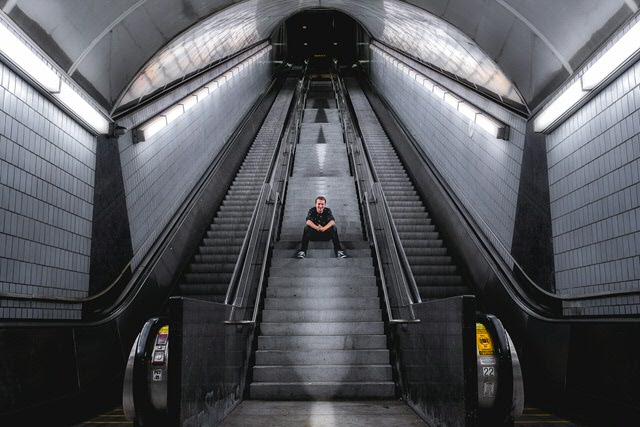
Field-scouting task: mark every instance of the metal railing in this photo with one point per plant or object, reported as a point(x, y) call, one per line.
point(404, 280)
point(383, 281)
point(239, 285)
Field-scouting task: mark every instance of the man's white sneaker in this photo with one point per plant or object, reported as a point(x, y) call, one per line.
point(301, 255)
point(341, 255)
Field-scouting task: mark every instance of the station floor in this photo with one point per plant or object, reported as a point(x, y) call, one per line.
point(330, 414)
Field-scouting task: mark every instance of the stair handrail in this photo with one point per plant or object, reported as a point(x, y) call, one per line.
point(409, 284)
point(383, 281)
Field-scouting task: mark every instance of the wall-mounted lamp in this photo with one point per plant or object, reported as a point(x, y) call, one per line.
point(481, 118)
point(615, 60)
point(18, 53)
point(116, 131)
point(155, 124)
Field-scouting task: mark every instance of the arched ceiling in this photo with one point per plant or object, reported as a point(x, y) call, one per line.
point(119, 50)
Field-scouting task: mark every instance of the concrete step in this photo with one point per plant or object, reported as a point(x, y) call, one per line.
point(322, 342)
point(322, 373)
point(322, 328)
point(322, 357)
point(360, 315)
point(322, 390)
point(322, 292)
point(344, 236)
point(304, 270)
point(320, 253)
point(321, 280)
point(322, 262)
point(347, 244)
point(323, 303)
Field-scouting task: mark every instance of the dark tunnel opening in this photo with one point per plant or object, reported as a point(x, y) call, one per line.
point(322, 33)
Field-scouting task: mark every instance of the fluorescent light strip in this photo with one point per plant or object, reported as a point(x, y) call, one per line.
point(81, 108)
point(622, 50)
point(21, 55)
point(613, 60)
point(485, 121)
point(154, 125)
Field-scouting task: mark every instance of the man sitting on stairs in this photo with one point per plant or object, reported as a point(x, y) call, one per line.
point(320, 226)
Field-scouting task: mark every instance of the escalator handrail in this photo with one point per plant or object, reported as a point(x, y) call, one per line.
point(240, 262)
point(267, 188)
point(410, 286)
point(267, 248)
point(383, 281)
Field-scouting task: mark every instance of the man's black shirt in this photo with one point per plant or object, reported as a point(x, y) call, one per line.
point(320, 219)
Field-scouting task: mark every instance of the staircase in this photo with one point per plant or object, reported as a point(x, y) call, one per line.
point(322, 335)
point(211, 269)
point(434, 271)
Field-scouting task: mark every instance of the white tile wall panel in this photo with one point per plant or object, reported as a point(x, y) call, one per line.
point(47, 164)
point(594, 180)
point(482, 170)
point(159, 173)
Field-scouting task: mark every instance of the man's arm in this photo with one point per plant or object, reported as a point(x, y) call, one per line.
point(320, 228)
point(328, 226)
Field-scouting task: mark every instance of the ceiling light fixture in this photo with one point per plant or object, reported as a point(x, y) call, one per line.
point(616, 59)
point(154, 125)
point(483, 120)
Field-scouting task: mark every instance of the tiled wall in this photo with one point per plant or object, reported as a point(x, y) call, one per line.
point(47, 164)
point(159, 173)
point(594, 179)
point(482, 170)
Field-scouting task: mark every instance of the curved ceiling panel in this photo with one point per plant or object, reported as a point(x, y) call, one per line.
point(398, 24)
point(123, 49)
point(432, 40)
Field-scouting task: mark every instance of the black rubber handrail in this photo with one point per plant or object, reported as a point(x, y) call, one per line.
point(385, 293)
point(348, 130)
point(410, 287)
point(243, 262)
point(290, 136)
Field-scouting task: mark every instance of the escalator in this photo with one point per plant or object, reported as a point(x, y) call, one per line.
point(323, 327)
point(434, 271)
point(212, 268)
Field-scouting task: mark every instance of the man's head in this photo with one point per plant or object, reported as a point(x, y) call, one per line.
point(321, 202)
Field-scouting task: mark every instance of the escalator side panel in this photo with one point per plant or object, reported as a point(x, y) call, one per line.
point(436, 361)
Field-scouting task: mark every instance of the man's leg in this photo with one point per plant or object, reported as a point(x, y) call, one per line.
point(335, 239)
point(306, 236)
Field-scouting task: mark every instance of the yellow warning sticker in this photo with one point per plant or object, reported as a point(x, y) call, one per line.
point(483, 341)
point(164, 329)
